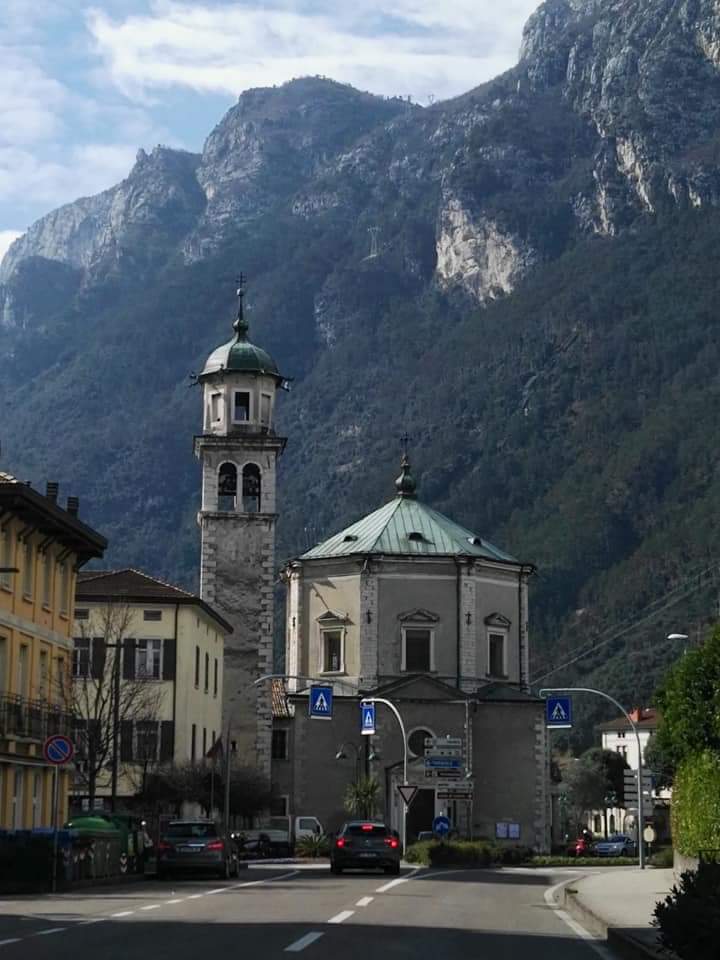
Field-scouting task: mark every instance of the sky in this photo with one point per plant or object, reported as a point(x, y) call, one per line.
point(84, 85)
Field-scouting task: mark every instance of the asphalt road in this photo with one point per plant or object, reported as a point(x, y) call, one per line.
point(275, 912)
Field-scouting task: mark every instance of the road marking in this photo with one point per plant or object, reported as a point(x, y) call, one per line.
point(84, 923)
point(339, 917)
point(123, 913)
point(46, 933)
point(393, 883)
point(196, 896)
point(303, 942)
point(216, 890)
point(10, 940)
point(167, 902)
point(592, 941)
point(364, 901)
point(152, 906)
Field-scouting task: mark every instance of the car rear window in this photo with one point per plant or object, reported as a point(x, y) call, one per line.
point(189, 829)
point(366, 830)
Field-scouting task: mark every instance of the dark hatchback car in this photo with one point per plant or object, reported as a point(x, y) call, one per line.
point(195, 846)
point(361, 844)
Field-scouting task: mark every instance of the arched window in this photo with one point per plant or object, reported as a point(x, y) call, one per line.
point(251, 488)
point(227, 487)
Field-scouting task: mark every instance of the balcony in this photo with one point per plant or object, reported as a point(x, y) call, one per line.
point(21, 718)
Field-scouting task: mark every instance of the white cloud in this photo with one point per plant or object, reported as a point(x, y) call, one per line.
point(6, 238)
point(425, 46)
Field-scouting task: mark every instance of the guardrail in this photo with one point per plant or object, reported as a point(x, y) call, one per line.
point(31, 719)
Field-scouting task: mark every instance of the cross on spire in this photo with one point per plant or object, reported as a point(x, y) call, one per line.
point(241, 325)
point(405, 442)
point(405, 483)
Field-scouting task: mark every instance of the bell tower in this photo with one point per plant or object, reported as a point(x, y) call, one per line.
point(238, 450)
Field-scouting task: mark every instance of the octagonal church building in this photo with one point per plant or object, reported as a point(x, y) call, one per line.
point(407, 606)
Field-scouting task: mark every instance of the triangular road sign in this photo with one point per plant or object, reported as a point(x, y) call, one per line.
point(558, 712)
point(407, 793)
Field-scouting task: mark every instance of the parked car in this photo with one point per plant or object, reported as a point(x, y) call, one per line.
point(618, 845)
point(365, 844)
point(195, 846)
point(279, 835)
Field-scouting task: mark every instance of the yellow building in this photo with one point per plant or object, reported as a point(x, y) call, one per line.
point(170, 681)
point(42, 546)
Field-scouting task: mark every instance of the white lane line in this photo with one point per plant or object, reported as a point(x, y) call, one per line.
point(196, 896)
point(393, 883)
point(84, 923)
point(592, 941)
point(123, 913)
point(303, 942)
point(216, 890)
point(167, 902)
point(4, 943)
point(339, 917)
point(152, 906)
point(258, 883)
point(46, 933)
point(364, 901)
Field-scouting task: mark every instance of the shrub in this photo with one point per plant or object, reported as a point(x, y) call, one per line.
point(696, 804)
point(313, 846)
point(419, 852)
point(471, 853)
point(689, 917)
point(662, 858)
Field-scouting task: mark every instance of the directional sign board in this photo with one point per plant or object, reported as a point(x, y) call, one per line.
point(407, 792)
point(367, 719)
point(441, 826)
point(558, 713)
point(320, 705)
point(58, 749)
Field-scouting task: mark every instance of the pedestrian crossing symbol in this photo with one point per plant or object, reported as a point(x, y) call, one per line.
point(367, 719)
point(321, 703)
point(558, 712)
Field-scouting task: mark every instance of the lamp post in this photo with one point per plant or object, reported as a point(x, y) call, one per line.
point(391, 706)
point(599, 693)
point(341, 755)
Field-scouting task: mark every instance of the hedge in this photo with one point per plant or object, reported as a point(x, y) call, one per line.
point(696, 804)
point(470, 853)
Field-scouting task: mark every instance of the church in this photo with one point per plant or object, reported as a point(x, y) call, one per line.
point(404, 605)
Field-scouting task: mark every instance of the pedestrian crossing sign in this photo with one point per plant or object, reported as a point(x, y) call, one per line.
point(321, 703)
point(558, 713)
point(367, 718)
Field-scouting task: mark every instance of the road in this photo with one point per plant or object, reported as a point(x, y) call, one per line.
point(274, 912)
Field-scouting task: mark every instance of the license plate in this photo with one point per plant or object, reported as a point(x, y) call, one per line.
point(188, 849)
point(370, 855)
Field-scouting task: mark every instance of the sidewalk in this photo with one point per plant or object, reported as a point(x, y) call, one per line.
point(619, 902)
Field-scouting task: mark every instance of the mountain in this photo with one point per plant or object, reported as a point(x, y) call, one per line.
point(524, 278)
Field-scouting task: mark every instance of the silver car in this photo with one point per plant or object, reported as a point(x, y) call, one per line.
point(195, 846)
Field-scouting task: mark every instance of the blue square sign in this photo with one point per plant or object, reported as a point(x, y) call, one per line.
point(367, 718)
point(321, 703)
point(558, 713)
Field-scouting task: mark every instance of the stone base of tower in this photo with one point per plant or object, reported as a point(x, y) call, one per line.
point(236, 576)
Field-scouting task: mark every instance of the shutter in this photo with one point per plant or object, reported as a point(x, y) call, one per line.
point(97, 658)
point(169, 657)
point(167, 741)
point(128, 665)
point(126, 740)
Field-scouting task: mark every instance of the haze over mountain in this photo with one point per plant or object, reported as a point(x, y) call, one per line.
point(540, 317)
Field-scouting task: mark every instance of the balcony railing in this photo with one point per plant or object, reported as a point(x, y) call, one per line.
point(31, 719)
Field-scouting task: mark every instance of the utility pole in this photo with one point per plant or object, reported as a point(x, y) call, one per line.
point(391, 706)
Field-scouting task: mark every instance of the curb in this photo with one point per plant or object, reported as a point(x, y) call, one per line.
point(624, 944)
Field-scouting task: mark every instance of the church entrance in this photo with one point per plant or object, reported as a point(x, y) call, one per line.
point(421, 814)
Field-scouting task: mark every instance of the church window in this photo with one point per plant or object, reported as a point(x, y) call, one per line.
point(416, 741)
point(265, 408)
point(227, 487)
point(332, 651)
point(496, 655)
point(416, 537)
point(216, 407)
point(241, 406)
point(418, 650)
point(251, 488)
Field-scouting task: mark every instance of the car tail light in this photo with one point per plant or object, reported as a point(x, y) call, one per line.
point(215, 845)
point(367, 827)
point(392, 842)
point(340, 842)
point(163, 846)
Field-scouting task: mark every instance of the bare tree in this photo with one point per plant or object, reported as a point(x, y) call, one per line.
point(109, 692)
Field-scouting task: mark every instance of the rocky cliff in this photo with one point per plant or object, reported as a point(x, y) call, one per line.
point(523, 277)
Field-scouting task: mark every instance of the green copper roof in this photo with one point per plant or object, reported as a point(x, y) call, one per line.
point(241, 355)
point(407, 527)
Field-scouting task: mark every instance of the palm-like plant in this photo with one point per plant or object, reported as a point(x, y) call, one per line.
point(361, 797)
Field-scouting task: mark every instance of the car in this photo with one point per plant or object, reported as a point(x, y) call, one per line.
point(363, 843)
point(195, 846)
point(618, 845)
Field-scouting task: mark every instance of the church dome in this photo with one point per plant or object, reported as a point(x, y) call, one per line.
point(238, 354)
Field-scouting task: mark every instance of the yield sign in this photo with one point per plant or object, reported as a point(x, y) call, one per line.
point(407, 793)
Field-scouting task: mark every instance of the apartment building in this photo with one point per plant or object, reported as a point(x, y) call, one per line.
point(42, 546)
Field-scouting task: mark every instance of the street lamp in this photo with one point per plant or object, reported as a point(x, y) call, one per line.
point(341, 755)
point(677, 636)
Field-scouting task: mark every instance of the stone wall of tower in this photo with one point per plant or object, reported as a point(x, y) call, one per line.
point(237, 575)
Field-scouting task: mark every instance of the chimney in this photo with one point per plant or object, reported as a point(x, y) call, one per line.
point(51, 491)
point(73, 505)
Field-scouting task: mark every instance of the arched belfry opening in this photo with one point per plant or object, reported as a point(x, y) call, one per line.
point(227, 487)
point(251, 488)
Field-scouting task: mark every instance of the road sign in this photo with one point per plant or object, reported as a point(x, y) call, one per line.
point(558, 713)
point(443, 742)
point(441, 826)
point(442, 763)
point(320, 705)
point(367, 719)
point(444, 773)
point(58, 749)
point(443, 751)
point(407, 792)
